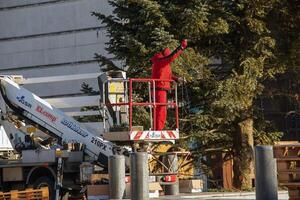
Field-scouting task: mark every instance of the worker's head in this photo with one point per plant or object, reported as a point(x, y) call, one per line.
point(166, 51)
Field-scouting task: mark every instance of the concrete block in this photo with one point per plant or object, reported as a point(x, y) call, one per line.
point(190, 186)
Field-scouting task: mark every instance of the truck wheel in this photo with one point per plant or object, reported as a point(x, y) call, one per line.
point(44, 181)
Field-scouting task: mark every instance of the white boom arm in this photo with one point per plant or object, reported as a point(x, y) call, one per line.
point(55, 122)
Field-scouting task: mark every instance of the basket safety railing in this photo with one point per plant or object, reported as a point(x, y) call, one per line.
point(152, 104)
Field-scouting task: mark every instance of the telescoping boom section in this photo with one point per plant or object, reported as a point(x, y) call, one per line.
point(39, 112)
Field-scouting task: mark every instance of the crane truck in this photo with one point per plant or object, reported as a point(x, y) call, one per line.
point(54, 167)
point(38, 166)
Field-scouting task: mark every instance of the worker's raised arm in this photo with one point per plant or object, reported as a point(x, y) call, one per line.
point(175, 53)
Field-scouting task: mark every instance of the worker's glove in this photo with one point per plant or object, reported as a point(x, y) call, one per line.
point(183, 44)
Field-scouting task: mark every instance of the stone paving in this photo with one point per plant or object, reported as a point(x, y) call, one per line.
point(282, 195)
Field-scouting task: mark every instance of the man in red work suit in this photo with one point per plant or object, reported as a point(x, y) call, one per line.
point(161, 69)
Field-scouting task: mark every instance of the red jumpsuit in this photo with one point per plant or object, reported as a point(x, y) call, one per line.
point(161, 69)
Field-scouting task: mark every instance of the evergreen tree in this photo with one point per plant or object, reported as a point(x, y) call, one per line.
point(247, 54)
point(236, 33)
point(284, 21)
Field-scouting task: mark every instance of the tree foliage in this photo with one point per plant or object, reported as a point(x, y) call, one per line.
point(235, 48)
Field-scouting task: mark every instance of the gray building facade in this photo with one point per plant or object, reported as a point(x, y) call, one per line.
point(41, 38)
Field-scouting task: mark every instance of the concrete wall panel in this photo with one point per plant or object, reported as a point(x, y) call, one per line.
point(49, 18)
point(59, 88)
point(55, 70)
point(66, 48)
point(52, 42)
point(50, 57)
point(49, 39)
point(14, 3)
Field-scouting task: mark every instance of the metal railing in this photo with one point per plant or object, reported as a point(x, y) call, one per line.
point(152, 99)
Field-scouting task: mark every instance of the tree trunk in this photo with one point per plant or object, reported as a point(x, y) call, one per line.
point(243, 155)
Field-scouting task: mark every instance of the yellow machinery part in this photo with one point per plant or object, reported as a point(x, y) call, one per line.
point(32, 194)
point(186, 169)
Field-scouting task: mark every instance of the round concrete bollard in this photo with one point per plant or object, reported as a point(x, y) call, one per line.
point(139, 176)
point(265, 174)
point(172, 189)
point(116, 170)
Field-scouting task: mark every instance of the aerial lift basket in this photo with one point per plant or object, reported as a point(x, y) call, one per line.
point(110, 99)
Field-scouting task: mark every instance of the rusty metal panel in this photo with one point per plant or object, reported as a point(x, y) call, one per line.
point(12, 174)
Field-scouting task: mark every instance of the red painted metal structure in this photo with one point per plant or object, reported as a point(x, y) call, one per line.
point(130, 103)
point(152, 104)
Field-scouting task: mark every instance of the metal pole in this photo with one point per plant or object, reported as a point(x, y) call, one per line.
point(139, 176)
point(116, 170)
point(126, 100)
point(154, 106)
point(176, 108)
point(59, 177)
point(130, 104)
point(150, 107)
point(265, 173)
point(104, 106)
point(172, 163)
